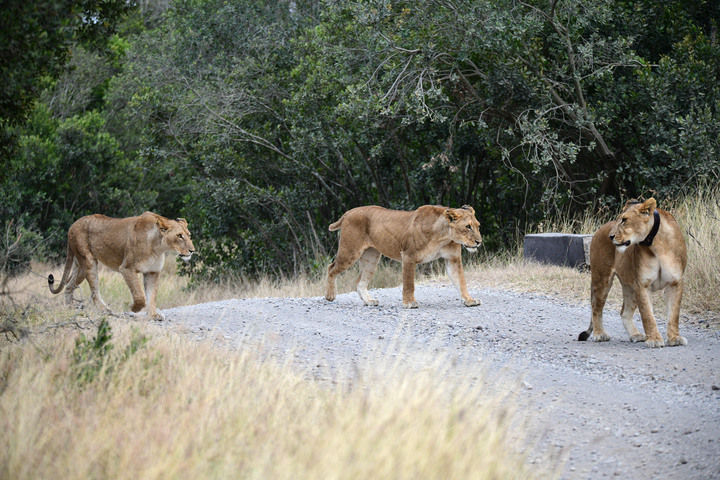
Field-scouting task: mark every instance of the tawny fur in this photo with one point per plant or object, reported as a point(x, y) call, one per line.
point(616, 250)
point(131, 246)
point(418, 236)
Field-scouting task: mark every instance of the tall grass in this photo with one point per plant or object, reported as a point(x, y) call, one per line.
point(699, 216)
point(178, 409)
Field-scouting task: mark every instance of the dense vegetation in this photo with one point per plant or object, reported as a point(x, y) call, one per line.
point(262, 121)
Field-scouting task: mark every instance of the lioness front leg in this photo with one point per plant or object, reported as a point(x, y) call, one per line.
point(133, 283)
point(653, 337)
point(408, 271)
point(454, 269)
point(628, 312)
point(151, 281)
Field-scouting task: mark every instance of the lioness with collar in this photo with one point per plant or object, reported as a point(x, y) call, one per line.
point(645, 248)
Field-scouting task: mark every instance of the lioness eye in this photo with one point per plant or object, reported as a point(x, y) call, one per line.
point(469, 227)
point(180, 235)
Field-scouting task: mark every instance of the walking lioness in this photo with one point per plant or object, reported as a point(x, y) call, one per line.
point(420, 236)
point(128, 245)
point(645, 248)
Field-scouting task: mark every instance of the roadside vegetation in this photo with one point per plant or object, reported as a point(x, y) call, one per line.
point(136, 402)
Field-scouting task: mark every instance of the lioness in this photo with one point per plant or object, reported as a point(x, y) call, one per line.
point(645, 248)
point(420, 236)
point(129, 245)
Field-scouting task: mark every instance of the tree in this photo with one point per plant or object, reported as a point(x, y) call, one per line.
point(285, 114)
point(35, 39)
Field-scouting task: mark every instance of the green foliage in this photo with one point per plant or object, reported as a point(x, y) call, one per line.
point(68, 168)
point(94, 355)
point(261, 122)
point(90, 353)
point(35, 39)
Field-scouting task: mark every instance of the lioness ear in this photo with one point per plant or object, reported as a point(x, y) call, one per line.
point(649, 206)
point(630, 203)
point(162, 225)
point(451, 215)
point(469, 209)
point(181, 221)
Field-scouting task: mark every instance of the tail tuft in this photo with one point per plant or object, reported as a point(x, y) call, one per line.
point(51, 279)
point(583, 336)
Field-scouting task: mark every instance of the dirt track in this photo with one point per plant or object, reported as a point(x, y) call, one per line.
point(608, 410)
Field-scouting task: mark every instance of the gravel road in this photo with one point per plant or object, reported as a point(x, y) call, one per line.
point(607, 410)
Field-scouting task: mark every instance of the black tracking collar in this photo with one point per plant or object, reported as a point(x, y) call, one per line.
point(656, 226)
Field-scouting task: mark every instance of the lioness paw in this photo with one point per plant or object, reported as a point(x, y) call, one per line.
point(137, 306)
point(410, 305)
point(157, 317)
point(640, 337)
point(472, 302)
point(600, 337)
point(655, 342)
point(677, 341)
point(372, 302)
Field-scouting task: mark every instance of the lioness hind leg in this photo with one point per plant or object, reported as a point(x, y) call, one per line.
point(673, 297)
point(344, 259)
point(368, 265)
point(76, 278)
point(89, 266)
point(601, 283)
point(628, 312)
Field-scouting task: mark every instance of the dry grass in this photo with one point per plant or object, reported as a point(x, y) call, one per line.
point(179, 409)
point(699, 216)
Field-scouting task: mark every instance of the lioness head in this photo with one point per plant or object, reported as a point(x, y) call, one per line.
point(464, 227)
point(177, 236)
point(634, 223)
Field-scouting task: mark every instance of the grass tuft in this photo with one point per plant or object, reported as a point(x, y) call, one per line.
point(178, 409)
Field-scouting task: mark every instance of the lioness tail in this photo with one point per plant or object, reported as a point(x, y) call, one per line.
point(337, 225)
point(66, 273)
